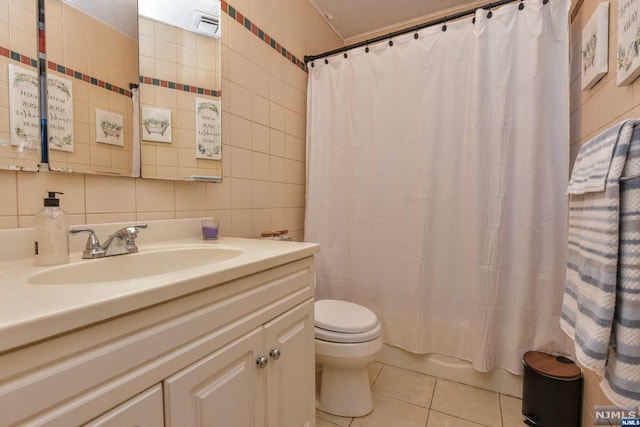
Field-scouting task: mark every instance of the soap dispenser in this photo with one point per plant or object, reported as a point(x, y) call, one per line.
point(52, 233)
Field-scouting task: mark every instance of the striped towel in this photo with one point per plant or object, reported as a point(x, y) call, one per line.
point(601, 305)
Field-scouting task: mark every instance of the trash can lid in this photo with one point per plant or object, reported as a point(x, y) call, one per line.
point(552, 366)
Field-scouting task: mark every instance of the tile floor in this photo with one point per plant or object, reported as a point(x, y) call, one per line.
point(404, 398)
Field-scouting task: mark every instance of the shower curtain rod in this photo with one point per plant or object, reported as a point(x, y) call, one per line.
point(443, 20)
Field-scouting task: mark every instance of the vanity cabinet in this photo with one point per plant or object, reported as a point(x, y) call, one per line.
point(261, 379)
point(188, 361)
point(144, 410)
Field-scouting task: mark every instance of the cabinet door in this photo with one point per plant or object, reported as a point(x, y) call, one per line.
point(224, 389)
point(291, 376)
point(144, 410)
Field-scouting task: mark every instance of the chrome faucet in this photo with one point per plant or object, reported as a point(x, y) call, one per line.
point(119, 243)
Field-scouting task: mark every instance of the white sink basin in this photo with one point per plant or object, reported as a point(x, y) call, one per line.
point(134, 266)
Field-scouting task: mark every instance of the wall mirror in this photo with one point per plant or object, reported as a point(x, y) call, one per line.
point(92, 60)
point(20, 146)
point(180, 81)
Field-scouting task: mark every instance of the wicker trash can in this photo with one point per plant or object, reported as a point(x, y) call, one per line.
point(551, 390)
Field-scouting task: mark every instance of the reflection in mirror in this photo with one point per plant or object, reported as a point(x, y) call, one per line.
point(180, 81)
point(92, 58)
point(19, 88)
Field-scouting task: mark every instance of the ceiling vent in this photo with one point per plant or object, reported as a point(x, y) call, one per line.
point(198, 16)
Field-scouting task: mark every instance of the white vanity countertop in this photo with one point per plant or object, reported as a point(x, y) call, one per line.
point(33, 312)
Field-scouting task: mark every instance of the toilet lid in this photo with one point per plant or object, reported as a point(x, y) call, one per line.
point(344, 316)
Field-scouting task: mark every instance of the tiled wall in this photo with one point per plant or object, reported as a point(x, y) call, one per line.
point(79, 49)
point(263, 162)
point(177, 67)
point(18, 45)
point(592, 111)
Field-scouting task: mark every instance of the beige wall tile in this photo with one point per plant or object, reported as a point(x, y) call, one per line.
point(155, 196)
point(240, 131)
point(239, 101)
point(260, 80)
point(261, 195)
point(260, 109)
point(106, 194)
point(261, 221)
point(191, 196)
point(277, 117)
point(110, 217)
point(241, 193)
point(242, 223)
point(278, 194)
point(294, 219)
point(260, 138)
point(276, 142)
point(240, 160)
point(277, 89)
point(295, 148)
point(153, 216)
point(294, 172)
point(33, 188)
point(9, 194)
point(240, 69)
point(278, 219)
point(239, 39)
point(277, 169)
point(260, 166)
point(294, 195)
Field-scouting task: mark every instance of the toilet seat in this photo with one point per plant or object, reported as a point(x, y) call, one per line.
point(342, 337)
point(345, 322)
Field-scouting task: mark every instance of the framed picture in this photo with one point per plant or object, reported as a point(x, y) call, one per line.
point(595, 47)
point(628, 62)
point(156, 124)
point(208, 133)
point(24, 104)
point(60, 113)
point(109, 128)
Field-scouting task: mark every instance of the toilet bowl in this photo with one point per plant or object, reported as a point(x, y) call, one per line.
point(347, 339)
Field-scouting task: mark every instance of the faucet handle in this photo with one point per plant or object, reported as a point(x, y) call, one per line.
point(133, 229)
point(131, 234)
point(92, 248)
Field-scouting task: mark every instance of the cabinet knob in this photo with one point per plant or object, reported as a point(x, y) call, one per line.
point(275, 353)
point(262, 361)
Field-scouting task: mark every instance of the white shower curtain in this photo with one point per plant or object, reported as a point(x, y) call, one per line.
point(437, 172)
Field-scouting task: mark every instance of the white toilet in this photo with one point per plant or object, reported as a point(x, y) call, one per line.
point(348, 339)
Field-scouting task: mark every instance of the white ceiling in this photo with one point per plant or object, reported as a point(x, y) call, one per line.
point(119, 14)
point(354, 18)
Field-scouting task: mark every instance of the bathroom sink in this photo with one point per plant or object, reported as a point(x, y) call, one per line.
point(134, 266)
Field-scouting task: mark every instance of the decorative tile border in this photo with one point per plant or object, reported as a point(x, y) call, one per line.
point(179, 86)
point(88, 79)
point(18, 57)
point(245, 22)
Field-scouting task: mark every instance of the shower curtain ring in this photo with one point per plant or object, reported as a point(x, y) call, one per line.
point(416, 36)
point(390, 42)
point(444, 26)
point(366, 49)
point(326, 61)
